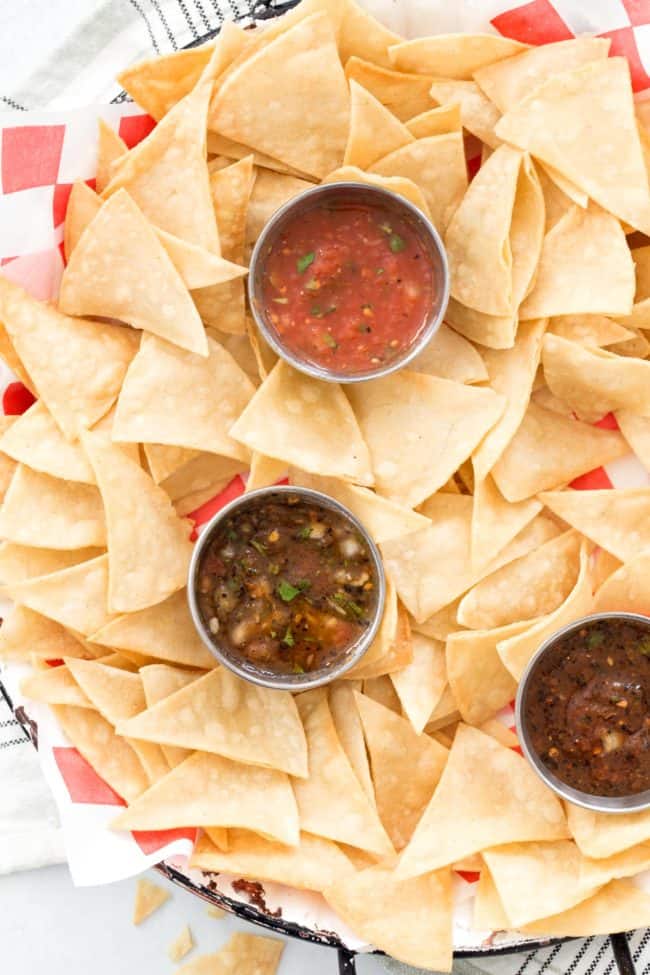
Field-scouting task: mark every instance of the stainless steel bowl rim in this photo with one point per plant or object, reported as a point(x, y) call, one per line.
point(614, 805)
point(296, 682)
point(389, 198)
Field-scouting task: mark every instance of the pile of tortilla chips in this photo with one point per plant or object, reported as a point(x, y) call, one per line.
point(154, 390)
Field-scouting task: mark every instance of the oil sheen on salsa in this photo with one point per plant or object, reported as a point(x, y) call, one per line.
point(348, 287)
point(588, 708)
point(286, 585)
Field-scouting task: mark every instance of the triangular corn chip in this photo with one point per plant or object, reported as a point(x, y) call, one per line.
point(530, 586)
point(36, 440)
point(306, 423)
point(25, 632)
point(148, 545)
point(197, 266)
point(589, 330)
point(55, 685)
point(227, 716)
point(83, 206)
point(419, 429)
point(602, 835)
point(165, 630)
point(148, 898)
point(593, 381)
point(509, 81)
point(374, 131)
point(452, 55)
point(420, 929)
point(159, 681)
point(245, 954)
point(402, 791)
point(420, 685)
point(619, 906)
point(204, 473)
point(405, 95)
point(395, 184)
point(167, 176)
point(314, 864)
point(208, 790)
point(265, 471)
point(181, 946)
point(495, 521)
point(582, 123)
point(109, 754)
point(391, 650)
point(347, 723)
point(306, 123)
point(585, 268)
point(450, 356)
point(331, 802)
point(77, 366)
point(364, 36)
point(435, 121)
point(478, 114)
point(516, 651)
point(562, 449)
point(435, 164)
point(209, 393)
point(480, 683)
point(75, 597)
point(120, 269)
point(109, 148)
point(625, 590)
point(487, 795)
point(618, 521)
point(158, 83)
point(381, 690)
point(115, 693)
point(493, 331)
point(270, 191)
point(46, 511)
point(163, 460)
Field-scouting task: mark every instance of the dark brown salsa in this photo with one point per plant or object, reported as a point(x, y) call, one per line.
point(587, 708)
point(287, 584)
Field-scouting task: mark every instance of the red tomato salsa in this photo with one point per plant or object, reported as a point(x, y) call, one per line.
point(348, 287)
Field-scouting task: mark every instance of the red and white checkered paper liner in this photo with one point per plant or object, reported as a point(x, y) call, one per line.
point(41, 155)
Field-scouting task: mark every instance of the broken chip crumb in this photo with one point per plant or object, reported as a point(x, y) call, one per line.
point(245, 954)
point(182, 946)
point(148, 898)
point(217, 913)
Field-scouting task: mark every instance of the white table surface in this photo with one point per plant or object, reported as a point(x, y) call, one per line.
point(48, 926)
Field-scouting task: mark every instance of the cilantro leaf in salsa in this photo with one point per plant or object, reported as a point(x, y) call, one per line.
point(303, 262)
point(288, 639)
point(396, 243)
point(287, 592)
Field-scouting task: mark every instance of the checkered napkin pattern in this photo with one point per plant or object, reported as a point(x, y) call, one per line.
point(68, 63)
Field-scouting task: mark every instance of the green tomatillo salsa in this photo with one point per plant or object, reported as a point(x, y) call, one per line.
point(286, 584)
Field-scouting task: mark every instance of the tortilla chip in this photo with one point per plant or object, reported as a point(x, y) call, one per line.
point(115, 693)
point(602, 835)
point(181, 946)
point(313, 864)
point(620, 906)
point(150, 563)
point(452, 55)
point(382, 518)
point(550, 450)
point(420, 429)
point(487, 795)
point(435, 121)
point(589, 330)
point(593, 381)
point(495, 521)
point(109, 148)
point(245, 954)
point(230, 717)
point(270, 192)
point(56, 685)
point(480, 683)
point(306, 423)
point(618, 520)
point(402, 791)
point(626, 589)
point(585, 268)
point(493, 331)
point(204, 473)
point(381, 689)
point(45, 511)
point(36, 440)
point(165, 628)
point(420, 685)
point(148, 898)
point(83, 206)
point(405, 95)
point(516, 651)
point(363, 36)
point(332, 802)
point(374, 130)
point(75, 597)
point(163, 459)
point(302, 68)
point(209, 790)
point(174, 196)
point(582, 123)
point(420, 914)
point(120, 269)
point(440, 624)
point(25, 633)
point(448, 356)
point(531, 586)
point(478, 114)
point(509, 81)
point(199, 268)
point(110, 755)
point(77, 366)
point(159, 681)
point(347, 723)
point(435, 164)
point(499, 731)
point(265, 471)
point(396, 184)
point(158, 83)
point(208, 393)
